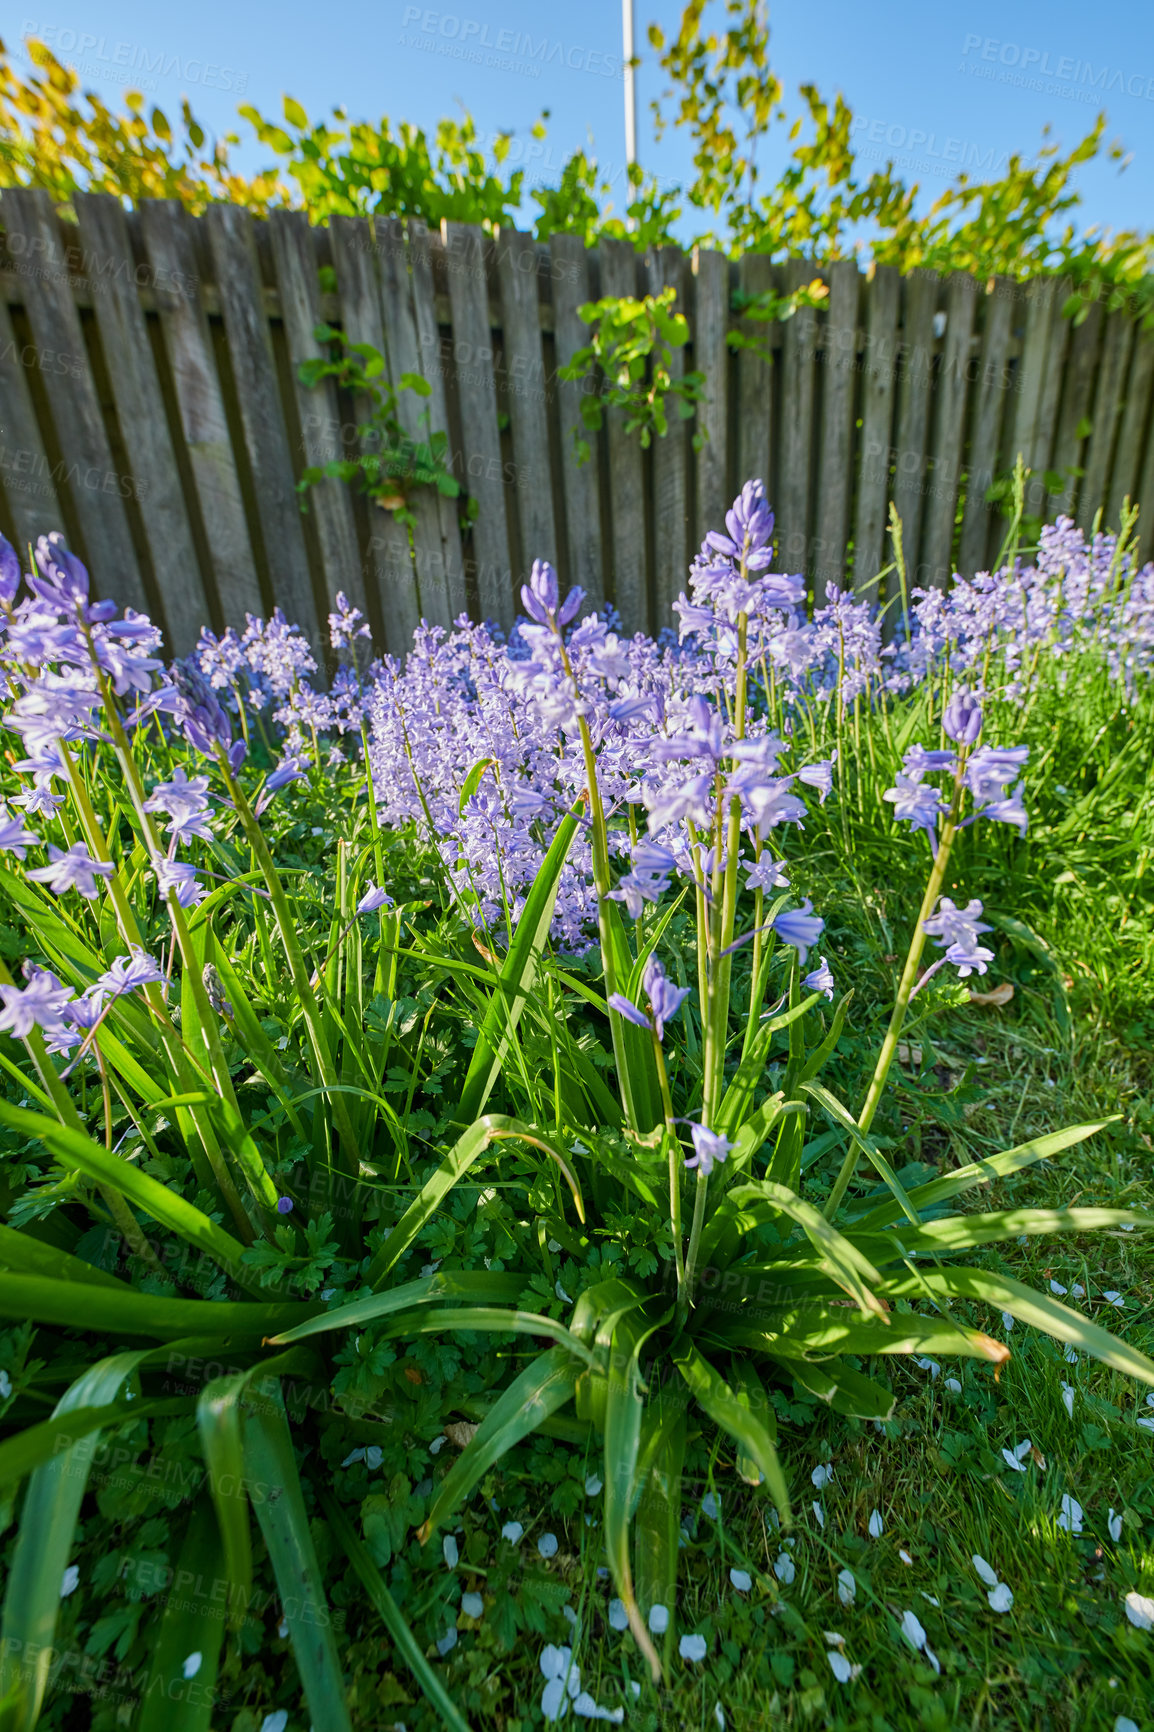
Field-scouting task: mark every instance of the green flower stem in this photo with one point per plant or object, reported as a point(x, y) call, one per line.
point(719, 1007)
point(906, 985)
point(695, 1233)
point(287, 927)
point(674, 1145)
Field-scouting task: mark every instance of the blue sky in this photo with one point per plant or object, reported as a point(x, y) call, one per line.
point(934, 87)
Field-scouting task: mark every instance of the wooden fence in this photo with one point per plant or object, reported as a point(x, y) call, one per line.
point(150, 406)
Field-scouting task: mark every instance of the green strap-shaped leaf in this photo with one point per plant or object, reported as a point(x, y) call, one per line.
point(518, 973)
point(820, 1330)
point(29, 1256)
point(43, 1546)
point(983, 1172)
point(493, 1286)
point(192, 1623)
point(821, 1054)
point(33, 1299)
point(1028, 1306)
point(624, 1410)
point(831, 1105)
point(275, 1487)
point(169, 1208)
point(751, 1070)
point(219, 1417)
point(492, 1128)
point(750, 1391)
point(546, 1384)
point(964, 1232)
point(762, 1200)
point(750, 1430)
point(36, 1444)
point(488, 1319)
point(373, 1583)
point(844, 1390)
point(657, 1523)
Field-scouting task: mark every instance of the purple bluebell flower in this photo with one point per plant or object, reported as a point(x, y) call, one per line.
point(9, 572)
point(237, 753)
point(346, 623)
point(60, 578)
point(14, 838)
point(962, 720)
point(919, 762)
point(953, 925)
point(664, 1000)
point(181, 878)
point(374, 899)
point(289, 770)
point(819, 776)
point(771, 803)
point(129, 972)
point(766, 874)
point(969, 957)
point(800, 927)
point(43, 1003)
point(820, 979)
point(72, 869)
point(185, 801)
point(284, 1205)
point(709, 1146)
point(991, 768)
point(916, 803)
point(198, 712)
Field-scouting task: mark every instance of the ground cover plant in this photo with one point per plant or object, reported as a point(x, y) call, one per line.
point(634, 1209)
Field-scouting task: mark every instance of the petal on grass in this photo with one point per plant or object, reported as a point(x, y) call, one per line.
point(1140, 1611)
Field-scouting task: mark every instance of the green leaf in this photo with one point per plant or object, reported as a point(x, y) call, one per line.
point(624, 1410)
point(657, 1523)
point(29, 1256)
point(373, 1583)
point(1028, 1306)
point(964, 1232)
point(34, 1299)
point(467, 1284)
point(192, 1624)
point(750, 1429)
point(43, 1547)
point(831, 1105)
point(486, 1320)
point(819, 1329)
point(271, 1474)
point(844, 1390)
point(22, 1454)
point(983, 1172)
point(473, 781)
point(473, 1143)
point(295, 114)
point(518, 973)
point(169, 1208)
point(546, 1384)
point(750, 1205)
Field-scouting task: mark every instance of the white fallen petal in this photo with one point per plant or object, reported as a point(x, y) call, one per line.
point(785, 1569)
point(741, 1580)
point(658, 1619)
point(561, 1293)
point(472, 1605)
point(834, 1638)
point(932, 1598)
point(846, 1587)
point(1114, 1524)
point(953, 1386)
point(876, 1525)
point(547, 1545)
point(1071, 1516)
point(819, 1515)
point(1140, 1611)
point(1150, 1399)
point(618, 1616)
point(821, 1476)
point(905, 1557)
point(1007, 1321)
point(593, 1485)
point(718, 1713)
point(711, 1504)
point(1057, 1287)
point(1078, 1291)
point(1146, 1424)
point(554, 1661)
point(447, 1642)
point(1070, 1356)
point(1068, 1399)
point(1000, 1598)
point(1022, 1450)
point(841, 1668)
point(1124, 1724)
point(69, 1581)
point(450, 1552)
point(438, 1444)
point(275, 1722)
point(693, 1648)
point(913, 1631)
point(934, 1661)
point(989, 1576)
point(193, 1664)
point(1012, 1461)
point(354, 1455)
point(512, 1532)
point(1115, 1298)
point(374, 1456)
point(553, 1699)
point(930, 1365)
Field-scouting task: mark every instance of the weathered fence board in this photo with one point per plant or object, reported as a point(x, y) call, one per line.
point(151, 406)
point(90, 476)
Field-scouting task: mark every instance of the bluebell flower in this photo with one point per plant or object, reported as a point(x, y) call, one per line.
point(287, 771)
point(664, 999)
point(198, 711)
point(800, 927)
point(962, 720)
point(969, 957)
point(9, 572)
point(915, 802)
point(374, 899)
point(953, 925)
point(72, 869)
point(820, 980)
point(60, 578)
point(14, 838)
point(40, 1004)
point(709, 1146)
point(127, 973)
